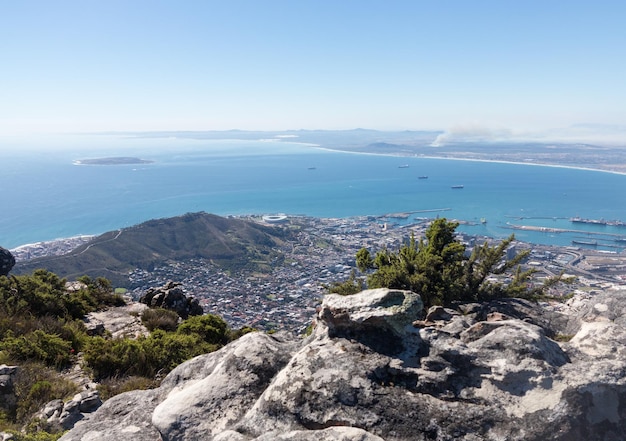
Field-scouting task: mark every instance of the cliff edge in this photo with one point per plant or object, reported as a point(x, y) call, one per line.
point(371, 370)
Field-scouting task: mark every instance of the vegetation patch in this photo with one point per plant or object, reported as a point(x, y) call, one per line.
point(42, 332)
point(438, 269)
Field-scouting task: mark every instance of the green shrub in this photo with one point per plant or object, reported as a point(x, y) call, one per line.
point(102, 291)
point(167, 350)
point(439, 269)
point(38, 345)
point(109, 387)
point(351, 286)
point(35, 436)
point(117, 357)
point(210, 328)
point(43, 294)
point(36, 385)
point(145, 357)
point(160, 318)
point(234, 335)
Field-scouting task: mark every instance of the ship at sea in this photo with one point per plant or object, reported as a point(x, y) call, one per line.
point(580, 220)
point(456, 187)
point(422, 177)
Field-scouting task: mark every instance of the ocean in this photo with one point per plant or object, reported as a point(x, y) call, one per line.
point(46, 196)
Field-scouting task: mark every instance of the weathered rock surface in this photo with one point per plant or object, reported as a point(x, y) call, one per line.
point(65, 415)
point(373, 371)
point(7, 261)
point(119, 321)
point(171, 296)
point(8, 397)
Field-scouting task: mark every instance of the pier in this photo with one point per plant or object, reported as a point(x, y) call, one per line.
point(599, 234)
point(407, 214)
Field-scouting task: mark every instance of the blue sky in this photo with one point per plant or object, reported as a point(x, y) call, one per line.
point(500, 68)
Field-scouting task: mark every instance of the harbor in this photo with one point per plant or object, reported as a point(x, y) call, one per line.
point(586, 238)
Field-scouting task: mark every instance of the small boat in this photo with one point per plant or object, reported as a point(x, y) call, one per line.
point(457, 186)
point(403, 166)
point(311, 168)
point(483, 220)
point(590, 243)
point(422, 177)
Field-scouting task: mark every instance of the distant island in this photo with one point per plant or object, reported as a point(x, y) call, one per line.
point(118, 160)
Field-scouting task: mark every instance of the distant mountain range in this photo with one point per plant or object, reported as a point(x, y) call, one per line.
point(464, 143)
point(230, 243)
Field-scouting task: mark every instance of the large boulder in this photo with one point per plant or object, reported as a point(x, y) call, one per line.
point(171, 296)
point(378, 318)
point(65, 415)
point(372, 370)
point(119, 321)
point(124, 417)
point(228, 383)
point(8, 397)
point(7, 261)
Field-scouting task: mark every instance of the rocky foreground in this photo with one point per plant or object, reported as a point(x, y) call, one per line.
point(372, 370)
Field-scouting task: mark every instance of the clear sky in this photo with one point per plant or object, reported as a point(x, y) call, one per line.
point(463, 66)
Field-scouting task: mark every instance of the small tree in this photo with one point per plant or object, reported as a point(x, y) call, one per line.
point(210, 327)
point(349, 287)
point(438, 270)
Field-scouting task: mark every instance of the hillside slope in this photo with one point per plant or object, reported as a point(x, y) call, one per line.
point(232, 244)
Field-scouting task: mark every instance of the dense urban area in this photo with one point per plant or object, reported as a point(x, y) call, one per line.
point(323, 253)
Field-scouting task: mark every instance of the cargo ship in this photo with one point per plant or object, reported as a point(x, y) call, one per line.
point(580, 220)
point(613, 223)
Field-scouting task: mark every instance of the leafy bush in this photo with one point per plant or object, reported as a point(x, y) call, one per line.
point(36, 436)
point(160, 318)
point(102, 292)
point(36, 385)
point(234, 335)
point(38, 294)
point(211, 328)
point(41, 328)
point(348, 287)
point(438, 269)
point(43, 294)
point(38, 345)
point(117, 358)
point(167, 349)
point(145, 357)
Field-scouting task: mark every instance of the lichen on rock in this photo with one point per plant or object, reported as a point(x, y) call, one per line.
point(371, 370)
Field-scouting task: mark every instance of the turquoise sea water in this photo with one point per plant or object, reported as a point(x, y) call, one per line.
point(45, 196)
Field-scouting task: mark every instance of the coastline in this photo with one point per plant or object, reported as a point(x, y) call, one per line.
point(400, 157)
point(495, 161)
point(54, 247)
point(47, 242)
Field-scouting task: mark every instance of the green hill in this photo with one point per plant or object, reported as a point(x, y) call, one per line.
point(232, 244)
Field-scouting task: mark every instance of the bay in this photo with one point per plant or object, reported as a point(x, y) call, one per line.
point(46, 196)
